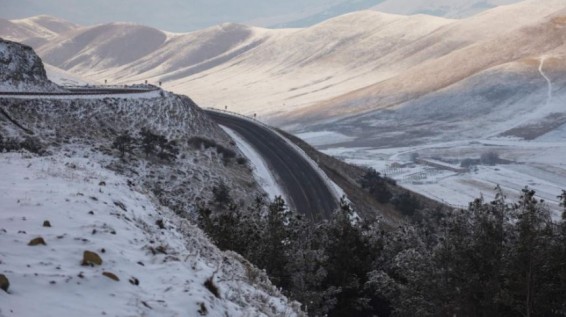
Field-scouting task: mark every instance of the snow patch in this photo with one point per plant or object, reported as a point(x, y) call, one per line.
point(260, 168)
point(161, 266)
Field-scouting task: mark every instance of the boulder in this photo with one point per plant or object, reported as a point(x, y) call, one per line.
point(91, 258)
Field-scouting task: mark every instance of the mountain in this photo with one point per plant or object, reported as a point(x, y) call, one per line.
point(444, 8)
point(119, 177)
point(183, 16)
point(491, 72)
point(36, 30)
point(340, 69)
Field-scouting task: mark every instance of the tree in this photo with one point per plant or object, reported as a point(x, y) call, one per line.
point(529, 279)
point(562, 199)
point(277, 241)
point(406, 203)
point(376, 185)
point(124, 143)
point(158, 145)
point(349, 262)
point(221, 194)
point(149, 141)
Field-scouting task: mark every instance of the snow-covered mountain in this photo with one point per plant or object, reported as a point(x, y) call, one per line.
point(66, 186)
point(183, 16)
point(344, 67)
point(444, 8)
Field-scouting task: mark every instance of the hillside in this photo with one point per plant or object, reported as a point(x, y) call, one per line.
point(366, 81)
point(21, 69)
point(160, 260)
point(341, 67)
point(132, 167)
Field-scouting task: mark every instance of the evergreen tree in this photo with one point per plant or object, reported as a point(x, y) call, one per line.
point(124, 143)
point(349, 261)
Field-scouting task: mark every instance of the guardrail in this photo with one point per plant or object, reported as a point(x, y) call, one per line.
point(85, 90)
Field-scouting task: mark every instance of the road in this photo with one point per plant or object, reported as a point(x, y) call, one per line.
point(83, 91)
point(308, 191)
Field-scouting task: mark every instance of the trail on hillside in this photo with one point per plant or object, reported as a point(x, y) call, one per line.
point(549, 93)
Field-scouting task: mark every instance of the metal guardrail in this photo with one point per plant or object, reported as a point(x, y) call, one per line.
point(86, 90)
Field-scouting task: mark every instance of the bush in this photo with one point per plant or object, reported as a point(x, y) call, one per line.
point(489, 158)
point(406, 203)
point(124, 143)
point(377, 185)
point(221, 194)
point(29, 144)
point(200, 142)
point(242, 160)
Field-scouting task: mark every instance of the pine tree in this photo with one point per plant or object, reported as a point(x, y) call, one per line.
point(124, 143)
point(528, 274)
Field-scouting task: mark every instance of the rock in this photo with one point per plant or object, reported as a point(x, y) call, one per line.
point(111, 276)
point(134, 281)
point(21, 68)
point(46, 223)
point(37, 241)
point(91, 258)
point(4, 283)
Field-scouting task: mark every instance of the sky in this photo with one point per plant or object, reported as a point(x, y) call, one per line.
point(190, 15)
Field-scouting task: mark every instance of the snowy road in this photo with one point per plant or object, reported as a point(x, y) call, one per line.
point(86, 93)
point(303, 185)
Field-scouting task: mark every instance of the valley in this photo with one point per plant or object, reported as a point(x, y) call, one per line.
point(377, 84)
point(283, 159)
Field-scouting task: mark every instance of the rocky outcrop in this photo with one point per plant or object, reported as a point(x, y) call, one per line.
point(22, 70)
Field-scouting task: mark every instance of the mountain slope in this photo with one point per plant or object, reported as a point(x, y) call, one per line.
point(445, 8)
point(120, 177)
point(524, 48)
point(102, 47)
point(343, 67)
point(162, 269)
point(183, 16)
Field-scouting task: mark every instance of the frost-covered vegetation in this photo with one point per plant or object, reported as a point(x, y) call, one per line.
point(492, 259)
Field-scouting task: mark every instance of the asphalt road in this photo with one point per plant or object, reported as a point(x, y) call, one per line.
point(303, 185)
point(80, 92)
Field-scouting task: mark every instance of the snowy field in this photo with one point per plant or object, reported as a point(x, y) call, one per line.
point(538, 164)
point(161, 260)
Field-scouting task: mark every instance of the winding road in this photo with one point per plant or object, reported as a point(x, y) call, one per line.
point(304, 185)
point(82, 91)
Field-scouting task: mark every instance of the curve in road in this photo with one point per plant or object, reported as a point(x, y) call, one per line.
point(303, 184)
point(80, 92)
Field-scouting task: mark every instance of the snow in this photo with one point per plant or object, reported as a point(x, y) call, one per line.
point(61, 77)
point(449, 8)
point(332, 186)
point(92, 208)
point(319, 138)
point(261, 170)
point(536, 164)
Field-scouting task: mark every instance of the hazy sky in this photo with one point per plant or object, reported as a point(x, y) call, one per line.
point(188, 15)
